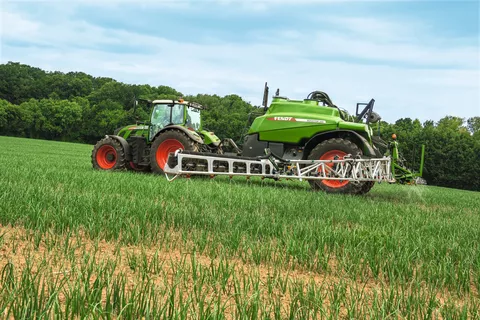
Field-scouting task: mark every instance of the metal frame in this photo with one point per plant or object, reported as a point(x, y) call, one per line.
point(366, 111)
point(351, 169)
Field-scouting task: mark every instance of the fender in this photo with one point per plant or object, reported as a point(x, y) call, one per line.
point(337, 133)
point(189, 133)
point(125, 145)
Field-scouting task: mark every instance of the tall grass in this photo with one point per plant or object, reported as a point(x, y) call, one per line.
point(414, 241)
point(92, 278)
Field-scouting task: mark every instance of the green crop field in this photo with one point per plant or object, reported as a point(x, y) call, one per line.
point(75, 242)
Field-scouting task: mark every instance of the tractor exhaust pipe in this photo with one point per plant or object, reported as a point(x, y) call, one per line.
point(265, 98)
point(422, 160)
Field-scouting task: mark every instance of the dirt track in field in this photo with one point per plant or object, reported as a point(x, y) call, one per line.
point(17, 245)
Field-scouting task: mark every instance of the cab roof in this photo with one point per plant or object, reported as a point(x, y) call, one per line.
point(170, 101)
point(181, 101)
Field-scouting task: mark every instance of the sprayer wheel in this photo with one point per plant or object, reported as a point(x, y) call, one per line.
point(337, 148)
point(366, 187)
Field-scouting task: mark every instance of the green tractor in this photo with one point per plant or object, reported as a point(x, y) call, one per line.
point(145, 146)
point(301, 139)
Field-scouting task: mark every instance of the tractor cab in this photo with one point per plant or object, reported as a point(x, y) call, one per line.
point(170, 112)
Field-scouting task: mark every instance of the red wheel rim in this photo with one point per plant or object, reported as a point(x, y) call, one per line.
point(330, 155)
point(106, 157)
point(167, 146)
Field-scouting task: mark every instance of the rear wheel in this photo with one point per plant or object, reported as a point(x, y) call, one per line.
point(108, 154)
point(168, 142)
point(337, 149)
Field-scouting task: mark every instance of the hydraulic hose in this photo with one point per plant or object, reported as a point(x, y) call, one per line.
point(323, 97)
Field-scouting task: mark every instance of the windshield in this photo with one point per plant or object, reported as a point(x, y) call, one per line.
point(193, 118)
point(161, 114)
point(161, 117)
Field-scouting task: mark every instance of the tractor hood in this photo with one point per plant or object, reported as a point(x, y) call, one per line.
point(132, 130)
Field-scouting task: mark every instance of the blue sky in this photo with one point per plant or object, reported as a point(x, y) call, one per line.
point(418, 59)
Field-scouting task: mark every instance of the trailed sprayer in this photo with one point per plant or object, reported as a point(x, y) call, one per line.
point(310, 139)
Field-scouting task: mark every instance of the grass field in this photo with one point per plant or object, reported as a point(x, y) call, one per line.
point(79, 242)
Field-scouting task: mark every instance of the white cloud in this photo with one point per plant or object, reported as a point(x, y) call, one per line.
point(15, 26)
point(345, 46)
point(228, 67)
point(377, 29)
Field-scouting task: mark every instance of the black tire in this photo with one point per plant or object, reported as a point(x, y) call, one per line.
point(366, 187)
point(176, 138)
point(108, 154)
point(328, 147)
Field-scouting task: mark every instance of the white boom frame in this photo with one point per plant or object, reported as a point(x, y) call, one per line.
point(351, 169)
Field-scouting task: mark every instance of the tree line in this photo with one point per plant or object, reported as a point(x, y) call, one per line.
point(78, 107)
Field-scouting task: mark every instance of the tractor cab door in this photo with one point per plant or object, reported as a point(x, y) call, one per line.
point(163, 115)
point(193, 119)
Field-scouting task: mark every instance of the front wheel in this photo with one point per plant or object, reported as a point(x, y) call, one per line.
point(337, 149)
point(108, 154)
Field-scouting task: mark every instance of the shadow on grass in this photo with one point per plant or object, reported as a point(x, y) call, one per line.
point(255, 182)
point(380, 193)
point(398, 194)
